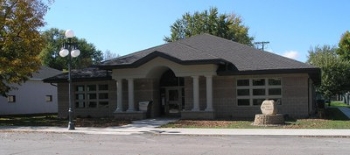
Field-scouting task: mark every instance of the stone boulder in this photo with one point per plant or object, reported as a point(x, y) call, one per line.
point(268, 107)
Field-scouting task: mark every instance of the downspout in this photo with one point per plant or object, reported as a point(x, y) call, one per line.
point(308, 96)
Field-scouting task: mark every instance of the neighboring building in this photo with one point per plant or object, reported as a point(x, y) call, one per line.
point(202, 77)
point(32, 97)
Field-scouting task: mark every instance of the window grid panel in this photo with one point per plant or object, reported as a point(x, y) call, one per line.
point(258, 83)
point(92, 96)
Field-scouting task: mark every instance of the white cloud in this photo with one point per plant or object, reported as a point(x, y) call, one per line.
point(291, 54)
point(269, 50)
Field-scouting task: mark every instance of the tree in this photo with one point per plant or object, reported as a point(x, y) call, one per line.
point(20, 40)
point(227, 26)
point(109, 55)
point(344, 46)
point(54, 39)
point(335, 71)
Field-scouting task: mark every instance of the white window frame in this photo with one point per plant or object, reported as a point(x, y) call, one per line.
point(266, 87)
point(11, 98)
point(48, 98)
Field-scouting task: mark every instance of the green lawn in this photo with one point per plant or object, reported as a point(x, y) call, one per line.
point(338, 104)
point(32, 120)
point(53, 120)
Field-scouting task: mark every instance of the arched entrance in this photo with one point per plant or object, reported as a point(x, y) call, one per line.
point(171, 94)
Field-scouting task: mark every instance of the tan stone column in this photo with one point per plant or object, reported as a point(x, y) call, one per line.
point(119, 84)
point(131, 95)
point(209, 89)
point(195, 93)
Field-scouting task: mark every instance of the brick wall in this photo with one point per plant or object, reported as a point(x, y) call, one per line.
point(148, 90)
point(62, 99)
point(295, 100)
point(63, 103)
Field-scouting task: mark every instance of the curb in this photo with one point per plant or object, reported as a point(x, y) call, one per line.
point(326, 133)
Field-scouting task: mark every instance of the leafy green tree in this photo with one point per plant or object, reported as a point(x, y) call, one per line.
point(20, 40)
point(55, 38)
point(335, 71)
point(344, 46)
point(227, 26)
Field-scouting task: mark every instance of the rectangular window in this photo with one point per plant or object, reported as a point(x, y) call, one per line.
point(80, 96)
point(274, 82)
point(80, 88)
point(91, 88)
point(91, 96)
point(11, 98)
point(242, 82)
point(103, 96)
point(258, 82)
point(80, 104)
point(258, 101)
point(258, 92)
point(243, 102)
point(48, 98)
point(252, 92)
point(103, 87)
point(243, 92)
point(92, 104)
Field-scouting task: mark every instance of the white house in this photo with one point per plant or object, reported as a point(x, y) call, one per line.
point(32, 97)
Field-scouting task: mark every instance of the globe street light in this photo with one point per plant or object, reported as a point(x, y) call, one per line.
point(69, 48)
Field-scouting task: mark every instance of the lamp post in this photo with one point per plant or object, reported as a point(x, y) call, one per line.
point(69, 48)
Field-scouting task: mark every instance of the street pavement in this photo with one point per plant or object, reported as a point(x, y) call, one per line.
point(152, 126)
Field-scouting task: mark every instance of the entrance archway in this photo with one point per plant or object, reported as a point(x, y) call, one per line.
point(171, 94)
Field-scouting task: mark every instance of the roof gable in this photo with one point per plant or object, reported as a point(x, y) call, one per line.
point(45, 72)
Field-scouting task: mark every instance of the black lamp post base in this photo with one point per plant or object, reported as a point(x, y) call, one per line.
point(71, 126)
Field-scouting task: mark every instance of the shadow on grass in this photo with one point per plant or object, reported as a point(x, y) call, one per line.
point(333, 113)
point(53, 120)
point(33, 120)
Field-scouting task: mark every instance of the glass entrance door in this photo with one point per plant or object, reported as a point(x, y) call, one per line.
point(173, 101)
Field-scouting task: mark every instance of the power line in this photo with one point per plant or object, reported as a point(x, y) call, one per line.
point(262, 44)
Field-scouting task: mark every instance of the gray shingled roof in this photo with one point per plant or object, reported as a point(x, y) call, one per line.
point(86, 74)
point(205, 47)
point(45, 72)
point(233, 58)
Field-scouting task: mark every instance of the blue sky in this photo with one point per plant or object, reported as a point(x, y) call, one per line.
point(124, 26)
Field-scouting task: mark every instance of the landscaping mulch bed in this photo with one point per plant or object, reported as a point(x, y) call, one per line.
point(100, 122)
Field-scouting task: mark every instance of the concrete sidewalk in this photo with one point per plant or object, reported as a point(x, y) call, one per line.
point(151, 126)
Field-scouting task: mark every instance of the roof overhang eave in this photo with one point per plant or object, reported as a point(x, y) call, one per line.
point(314, 73)
point(65, 80)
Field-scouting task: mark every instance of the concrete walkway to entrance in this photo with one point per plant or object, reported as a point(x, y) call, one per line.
point(147, 123)
point(151, 126)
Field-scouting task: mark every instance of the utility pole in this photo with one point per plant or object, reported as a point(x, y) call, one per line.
point(262, 44)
